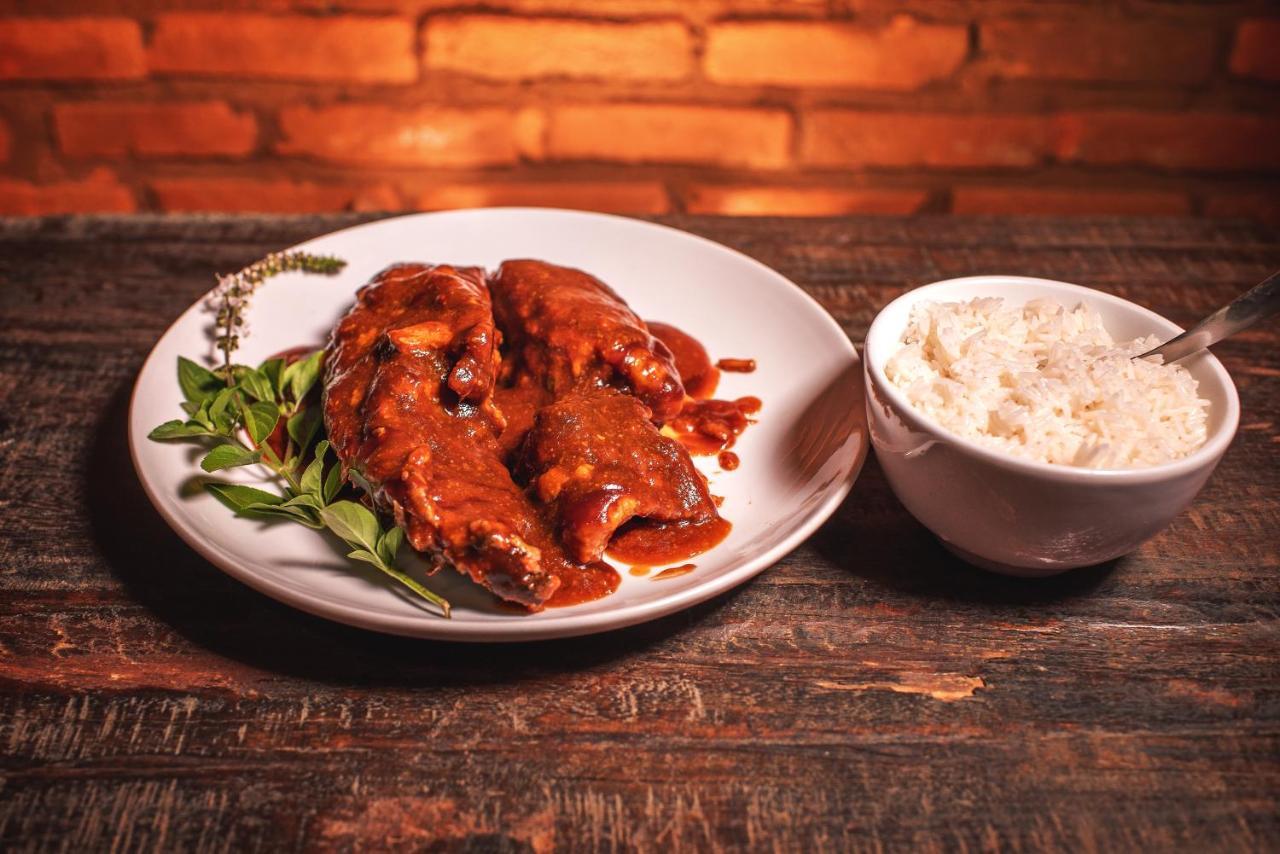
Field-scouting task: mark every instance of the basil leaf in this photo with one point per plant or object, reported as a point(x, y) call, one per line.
point(302, 427)
point(312, 501)
point(260, 420)
point(178, 430)
point(366, 556)
point(228, 456)
point(390, 544)
point(256, 384)
point(273, 370)
point(353, 522)
point(238, 497)
point(300, 515)
point(312, 482)
point(219, 413)
point(201, 416)
point(332, 483)
point(197, 382)
point(302, 375)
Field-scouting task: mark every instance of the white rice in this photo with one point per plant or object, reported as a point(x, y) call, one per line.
point(1046, 383)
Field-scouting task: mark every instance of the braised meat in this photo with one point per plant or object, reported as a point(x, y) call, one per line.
point(408, 406)
point(432, 411)
point(596, 458)
point(566, 329)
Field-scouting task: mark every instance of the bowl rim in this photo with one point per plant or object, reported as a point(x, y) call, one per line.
point(1206, 455)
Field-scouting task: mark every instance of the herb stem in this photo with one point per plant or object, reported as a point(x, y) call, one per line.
point(405, 579)
point(273, 463)
point(269, 459)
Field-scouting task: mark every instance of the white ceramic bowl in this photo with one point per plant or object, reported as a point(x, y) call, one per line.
point(1017, 516)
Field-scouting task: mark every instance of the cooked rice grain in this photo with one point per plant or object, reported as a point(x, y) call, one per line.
point(1046, 383)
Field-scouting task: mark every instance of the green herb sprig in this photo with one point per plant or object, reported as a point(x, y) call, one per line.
point(252, 406)
point(245, 414)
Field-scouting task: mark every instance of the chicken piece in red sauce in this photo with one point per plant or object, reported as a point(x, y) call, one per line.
point(408, 405)
point(567, 329)
point(596, 458)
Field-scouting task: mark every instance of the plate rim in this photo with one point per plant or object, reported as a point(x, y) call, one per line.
point(568, 625)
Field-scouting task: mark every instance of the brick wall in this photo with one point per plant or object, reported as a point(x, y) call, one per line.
point(725, 106)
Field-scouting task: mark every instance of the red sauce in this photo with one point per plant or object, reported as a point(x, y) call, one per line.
point(648, 543)
point(675, 571)
point(699, 376)
point(584, 584)
point(578, 584)
point(737, 366)
point(707, 427)
point(641, 570)
point(518, 404)
point(728, 460)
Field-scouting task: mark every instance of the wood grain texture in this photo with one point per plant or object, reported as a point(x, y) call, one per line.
point(868, 692)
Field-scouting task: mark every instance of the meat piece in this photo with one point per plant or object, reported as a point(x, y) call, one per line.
point(409, 376)
point(428, 309)
point(595, 456)
point(567, 329)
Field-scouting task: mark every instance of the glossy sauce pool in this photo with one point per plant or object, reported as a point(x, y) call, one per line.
point(699, 376)
point(657, 543)
point(707, 427)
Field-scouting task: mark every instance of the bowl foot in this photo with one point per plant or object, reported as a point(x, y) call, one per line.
point(1005, 568)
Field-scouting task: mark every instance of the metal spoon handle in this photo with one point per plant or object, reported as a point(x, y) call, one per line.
point(1245, 310)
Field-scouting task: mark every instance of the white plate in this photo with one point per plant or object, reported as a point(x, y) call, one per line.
point(798, 462)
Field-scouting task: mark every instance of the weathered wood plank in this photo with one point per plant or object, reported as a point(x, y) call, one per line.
point(867, 692)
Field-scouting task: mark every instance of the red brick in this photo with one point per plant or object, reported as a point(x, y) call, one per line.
point(849, 138)
point(753, 200)
point(668, 133)
point(517, 49)
point(1256, 52)
point(6, 142)
point(1052, 200)
point(99, 191)
point(295, 47)
point(251, 194)
point(1095, 48)
point(71, 49)
point(611, 196)
point(904, 55)
point(113, 129)
point(426, 136)
point(1263, 206)
point(379, 197)
point(1212, 141)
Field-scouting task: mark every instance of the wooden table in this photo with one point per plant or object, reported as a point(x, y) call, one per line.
point(869, 691)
